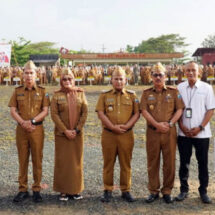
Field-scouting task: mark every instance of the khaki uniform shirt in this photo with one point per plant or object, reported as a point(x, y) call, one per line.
point(29, 103)
point(60, 111)
point(119, 107)
point(161, 105)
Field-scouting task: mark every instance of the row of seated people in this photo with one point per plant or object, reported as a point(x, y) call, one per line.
point(98, 75)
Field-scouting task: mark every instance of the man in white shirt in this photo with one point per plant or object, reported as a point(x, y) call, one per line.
point(194, 129)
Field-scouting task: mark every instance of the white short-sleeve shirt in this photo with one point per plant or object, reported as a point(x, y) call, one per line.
point(200, 98)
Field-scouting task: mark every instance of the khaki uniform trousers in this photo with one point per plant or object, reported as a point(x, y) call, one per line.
point(121, 145)
point(30, 143)
point(155, 144)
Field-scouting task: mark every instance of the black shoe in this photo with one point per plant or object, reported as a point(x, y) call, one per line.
point(181, 196)
point(63, 197)
point(106, 196)
point(205, 198)
point(76, 197)
point(168, 199)
point(21, 196)
point(37, 197)
point(127, 197)
point(151, 198)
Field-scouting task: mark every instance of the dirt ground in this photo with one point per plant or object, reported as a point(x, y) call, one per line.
point(92, 170)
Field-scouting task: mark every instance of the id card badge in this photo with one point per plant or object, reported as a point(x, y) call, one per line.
point(188, 112)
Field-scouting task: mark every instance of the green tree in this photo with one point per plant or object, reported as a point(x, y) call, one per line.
point(168, 43)
point(209, 42)
point(42, 48)
point(22, 49)
point(19, 54)
point(129, 48)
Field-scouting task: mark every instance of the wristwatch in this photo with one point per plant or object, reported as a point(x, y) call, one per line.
point(77, 131)
point(201, 128)
point(171, 124)
point(33, 121)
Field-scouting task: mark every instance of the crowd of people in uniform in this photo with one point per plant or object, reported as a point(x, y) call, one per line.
point(191, 105)
point(98, 75)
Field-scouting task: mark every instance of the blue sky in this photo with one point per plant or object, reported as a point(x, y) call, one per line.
point(90, 24)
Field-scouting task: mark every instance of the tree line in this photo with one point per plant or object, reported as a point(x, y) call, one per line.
point(168, 43)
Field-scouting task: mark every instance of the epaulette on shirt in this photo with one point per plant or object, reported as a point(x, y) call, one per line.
point(130, 91)
point(171, 87)
point(41, 87)
point(106, 91)
point(19, 87)
point(149, 88)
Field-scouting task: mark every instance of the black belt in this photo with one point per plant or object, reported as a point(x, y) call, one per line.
point(38, 123)
point(107, 129)
point(152, 127)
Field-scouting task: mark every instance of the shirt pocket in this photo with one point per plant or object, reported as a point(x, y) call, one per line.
point(200, 97)
point(20, 101)
point(127, 104)
point(151, 105)
point(110, 106)
point(170, 104)
point(38, 101)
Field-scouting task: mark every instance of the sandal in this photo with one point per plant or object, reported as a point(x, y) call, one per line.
point(63, 197)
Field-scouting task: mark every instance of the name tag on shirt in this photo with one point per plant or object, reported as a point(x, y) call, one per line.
point(188, 112)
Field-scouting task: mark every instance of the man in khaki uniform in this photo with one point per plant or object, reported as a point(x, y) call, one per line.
point(162, 107)
point(118, 110)
point(29, 106)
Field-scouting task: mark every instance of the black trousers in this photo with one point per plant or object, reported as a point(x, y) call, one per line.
point(201, 146)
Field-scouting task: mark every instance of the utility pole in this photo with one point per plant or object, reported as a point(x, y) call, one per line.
point(103, 48)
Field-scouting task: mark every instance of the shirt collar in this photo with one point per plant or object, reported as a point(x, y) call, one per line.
point(33, 88)
point(164, 88)
point(115, 91)
point(197, 84)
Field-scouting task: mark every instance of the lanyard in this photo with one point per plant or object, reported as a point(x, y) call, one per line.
point(191, 95)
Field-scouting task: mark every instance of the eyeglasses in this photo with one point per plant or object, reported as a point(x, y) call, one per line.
point(67, 79)
point(155, 75)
